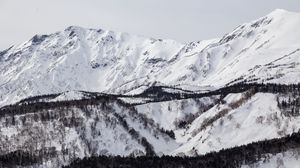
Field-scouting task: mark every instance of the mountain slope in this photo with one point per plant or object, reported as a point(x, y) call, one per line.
point(86, 92)
point(265, 50)
point(61, 131)
point(280, 152)
point(93, 124)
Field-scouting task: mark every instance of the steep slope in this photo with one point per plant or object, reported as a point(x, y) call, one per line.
point(78, 59)
point(240, 120)
point(59, 132)
point(265, 50)
point(93, 92)
point(279, 152)
point(60, 128)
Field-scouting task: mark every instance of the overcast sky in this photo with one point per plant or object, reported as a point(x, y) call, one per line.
point(181, 20)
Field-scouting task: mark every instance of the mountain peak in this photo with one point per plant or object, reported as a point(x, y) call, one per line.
point(107, 60)
point(74, 28)
point(280, 12)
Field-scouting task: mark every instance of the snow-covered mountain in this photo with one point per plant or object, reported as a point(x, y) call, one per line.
point(75, 130)
point(62, 127)
point(85, 92)
point(264, 50)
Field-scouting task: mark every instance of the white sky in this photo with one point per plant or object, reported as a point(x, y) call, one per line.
point(182, 20)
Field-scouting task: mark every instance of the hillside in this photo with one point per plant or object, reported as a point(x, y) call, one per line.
point(265, 50)
point(80, 94)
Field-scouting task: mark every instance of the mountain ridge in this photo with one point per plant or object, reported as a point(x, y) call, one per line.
point(104, 61)
point(82, 93)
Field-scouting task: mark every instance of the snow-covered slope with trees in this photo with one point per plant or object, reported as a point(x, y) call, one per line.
point(288, 159)
point(86, 92)
point(240, 119)
point(60, 132)
point(265, 50)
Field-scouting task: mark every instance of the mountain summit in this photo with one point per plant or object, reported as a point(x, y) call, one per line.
point(87, 96)
point(265, 50)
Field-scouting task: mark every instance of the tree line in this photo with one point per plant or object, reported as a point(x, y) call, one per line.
point(226, 158)
point(156, 92)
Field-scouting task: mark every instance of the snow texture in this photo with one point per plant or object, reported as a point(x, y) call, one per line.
point(264, 50)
